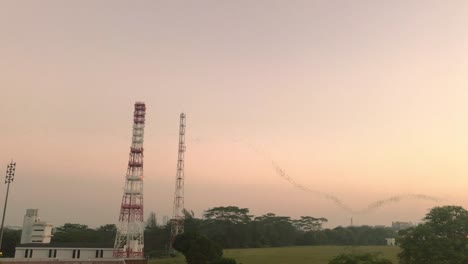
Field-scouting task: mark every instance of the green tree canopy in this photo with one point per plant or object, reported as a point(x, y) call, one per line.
point(11, 238)
point(69, 227)
point(111, 228)
point(197, 249)
point(309, 223)
point(441, 239)
point(74, 233)
point(274, 230)
point(232, 214)
point(152, 221)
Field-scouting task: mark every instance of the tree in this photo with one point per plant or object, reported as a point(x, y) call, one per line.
point(197, 249)
point(71, 234)
point(228, 226)
point(309, 223)
point(110, 228)
point(11, 238)
point(441, 239)
point(69, 227)
point(232, 214)
point(156, 241)
point(152, 221)
point(364, 258)
point(203, 250)
point(103, 235)
point(273, 230)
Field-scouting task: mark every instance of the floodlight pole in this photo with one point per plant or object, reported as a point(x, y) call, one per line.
point(10, 175)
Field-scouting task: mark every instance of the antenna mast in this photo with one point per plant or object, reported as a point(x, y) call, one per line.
point(129, 239)
point(177, 221)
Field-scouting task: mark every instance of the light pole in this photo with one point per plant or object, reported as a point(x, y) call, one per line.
point(10, 175)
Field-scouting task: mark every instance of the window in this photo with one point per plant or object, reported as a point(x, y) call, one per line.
point(50, 253)
point(30, 253)
point(78, 255)
point(99, 253)
point(74, 253)
point(55, 253)
point(26, 253)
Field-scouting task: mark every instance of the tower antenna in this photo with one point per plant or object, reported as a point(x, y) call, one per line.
point(177, 221)
point(129, 239)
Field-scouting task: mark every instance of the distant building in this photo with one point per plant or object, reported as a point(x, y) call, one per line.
point(67, 254)
point(397, 226)
point(165, 220)
point(38, 251)
point(34, 230)
point(391, 241)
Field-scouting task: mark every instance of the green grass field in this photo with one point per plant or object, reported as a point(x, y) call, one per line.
point(293, 255)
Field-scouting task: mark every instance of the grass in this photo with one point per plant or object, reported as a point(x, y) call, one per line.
point(292, 255)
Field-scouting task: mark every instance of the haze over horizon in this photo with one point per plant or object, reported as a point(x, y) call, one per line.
point(363, 100)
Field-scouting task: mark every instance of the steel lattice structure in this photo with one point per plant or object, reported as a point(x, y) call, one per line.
point(129, 239)
point(177, 221)
point(10, 176)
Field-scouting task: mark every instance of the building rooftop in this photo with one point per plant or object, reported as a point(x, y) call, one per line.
point(67, 245)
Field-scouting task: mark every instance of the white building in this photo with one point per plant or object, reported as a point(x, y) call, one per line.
point(34, 230)
point(391, 241)
point(165, 220)
point(398, 225)
point(35, 251)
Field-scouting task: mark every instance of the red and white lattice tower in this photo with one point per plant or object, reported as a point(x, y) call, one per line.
point(129, 239)
point(177, 221)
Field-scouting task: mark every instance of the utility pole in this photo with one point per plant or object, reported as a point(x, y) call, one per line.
point(10, 176)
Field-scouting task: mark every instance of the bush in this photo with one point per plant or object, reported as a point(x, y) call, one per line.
point(365, 258)
point(197, 249)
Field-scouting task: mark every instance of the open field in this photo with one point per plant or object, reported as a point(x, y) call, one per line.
point(293, 255)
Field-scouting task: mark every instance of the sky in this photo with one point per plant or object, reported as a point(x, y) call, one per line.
point(360, 100)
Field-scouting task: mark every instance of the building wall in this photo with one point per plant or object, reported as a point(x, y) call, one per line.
point(165, 220)
point(41, 232)
point(391, 241)
point(81, 261)
point(398, 225)
point(28, 221)
point(35, 231)
point(63, 253)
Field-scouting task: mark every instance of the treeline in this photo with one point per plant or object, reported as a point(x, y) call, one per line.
point(234, 227)
point(76, 234)
point(11, 239)
point(230, 227)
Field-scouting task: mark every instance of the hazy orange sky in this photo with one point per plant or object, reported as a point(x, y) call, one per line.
point(360, 99)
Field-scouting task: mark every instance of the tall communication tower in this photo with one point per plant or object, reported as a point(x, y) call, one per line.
point(129, 239)
point(177, 221)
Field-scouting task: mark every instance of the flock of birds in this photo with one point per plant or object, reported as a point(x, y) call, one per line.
point(337, 201)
